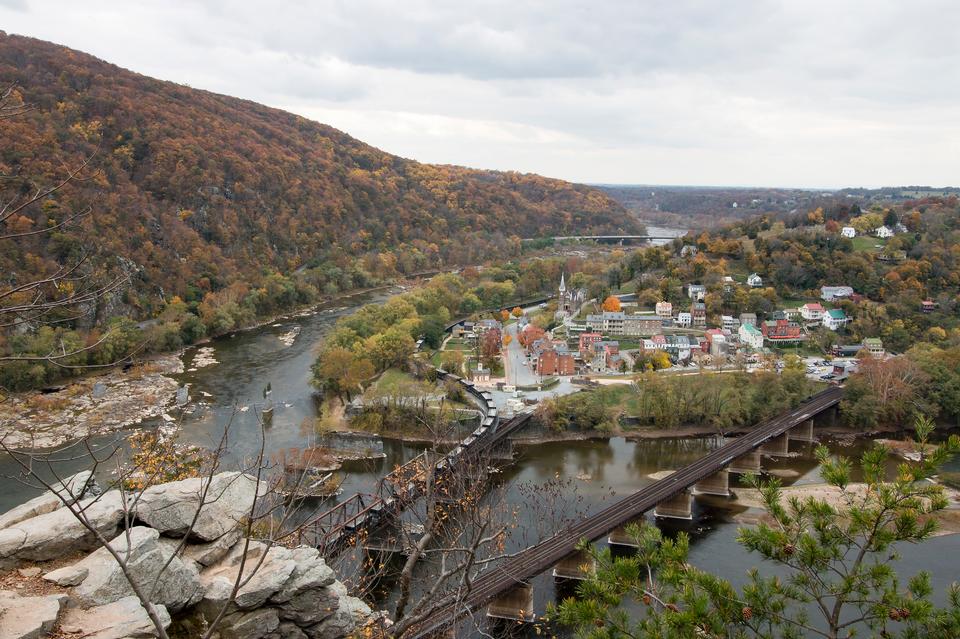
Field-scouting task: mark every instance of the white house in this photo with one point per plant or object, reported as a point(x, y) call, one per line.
point(750, 336)
point(848, 231)
point(812, 312)
point(684, 319)
point(696, 291)
point(729, 322)
point(664, 309)
point(884, 232)
point(831, 293)
point(834, 319)
point(754, 281)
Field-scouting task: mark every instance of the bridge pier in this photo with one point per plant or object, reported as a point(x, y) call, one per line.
point(502, 451)
point(802, 432)
point(747, 463)
point(679, 506)
point(619, 537)
point(579, 565)
point(516, 604)
point(779, 446)
point(716, 484)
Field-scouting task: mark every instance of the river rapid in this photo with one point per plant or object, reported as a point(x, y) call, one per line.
point(229, 392)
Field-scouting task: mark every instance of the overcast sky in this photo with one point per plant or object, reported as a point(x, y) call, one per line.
point(804, 93)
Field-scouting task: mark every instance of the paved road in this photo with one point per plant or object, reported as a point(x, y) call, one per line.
point(516, 370)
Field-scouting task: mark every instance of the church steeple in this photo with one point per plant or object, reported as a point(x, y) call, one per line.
point(563, 286)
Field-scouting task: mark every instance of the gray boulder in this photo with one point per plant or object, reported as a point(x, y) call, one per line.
point(205, 554)
point(68, 575)
point(250, 625)
point(28, 617)
point(267, 577)
point(170, 508)
point(287, 630)
point(72, 488)
point(177, 582)
point(123, 619)
point(59, 533)
point(311, 572)
point(351, 614)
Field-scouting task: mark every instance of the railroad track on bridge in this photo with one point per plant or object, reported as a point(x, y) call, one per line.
point(542, 556)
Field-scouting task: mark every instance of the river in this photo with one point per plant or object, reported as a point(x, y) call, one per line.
point(594, 472)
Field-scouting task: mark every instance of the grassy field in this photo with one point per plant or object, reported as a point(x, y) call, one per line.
point(867, 244)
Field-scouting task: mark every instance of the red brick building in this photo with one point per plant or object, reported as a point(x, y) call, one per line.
point(550, 362)
point(782, 330)
point(587, 340)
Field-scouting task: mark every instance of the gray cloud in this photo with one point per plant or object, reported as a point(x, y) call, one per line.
point(817, 93)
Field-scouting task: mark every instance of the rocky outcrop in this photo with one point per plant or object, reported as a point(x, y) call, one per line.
point(122, 619)
point(58, 533)
point(281, 593)
point(164, 578)
point(71, 489)
point(170, 508)
point(28, 617)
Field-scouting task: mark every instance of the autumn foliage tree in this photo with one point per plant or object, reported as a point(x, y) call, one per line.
point(612, 304)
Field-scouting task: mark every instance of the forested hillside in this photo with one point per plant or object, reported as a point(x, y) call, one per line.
point(201, 190)
point(212, 212)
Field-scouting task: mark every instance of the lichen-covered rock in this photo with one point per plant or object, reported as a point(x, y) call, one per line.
point(269, 576)
point(163, 579)
point(28, 617)
point(58, 533)
point(351, 614)
point(68, 575)
point(250, 625)
point(170, 508)
point(71, 489)
point(123, 619)
point(311, 571)
point(287, 630)
point(208, 553)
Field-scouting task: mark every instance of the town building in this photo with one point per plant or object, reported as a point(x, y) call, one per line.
point(664, 310)
point(834, 319)
point(781, 331)
point(754, 280)
point(874, 346)
point(698, 311)
point(848, 231)
point(748, 318)
point(812, 312)
point(729, 322)
point(928, 306)
point(750, 336)
point(696, 291)
point(833, 293)
point(619, 323)
point(884, 232)
point(688, 250)
point(684, 319)
point(568, 301)
point(587, 340)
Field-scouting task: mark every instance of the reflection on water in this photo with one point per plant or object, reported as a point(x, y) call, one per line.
point(596, 472)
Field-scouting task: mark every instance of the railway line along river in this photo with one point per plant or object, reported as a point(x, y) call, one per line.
point(227, 376)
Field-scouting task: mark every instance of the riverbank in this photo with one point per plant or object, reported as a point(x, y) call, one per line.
point(750, 498)
point(93, 405)
point(114, 399)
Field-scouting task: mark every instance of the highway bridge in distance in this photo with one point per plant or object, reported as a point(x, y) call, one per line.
point(605, 239)
point(507, 577)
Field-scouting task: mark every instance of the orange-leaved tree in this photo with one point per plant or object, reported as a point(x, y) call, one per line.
point(612, 303)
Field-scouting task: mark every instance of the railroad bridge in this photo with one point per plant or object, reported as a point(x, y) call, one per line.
point(364, 514)
point(506, 587)
point(604, 239)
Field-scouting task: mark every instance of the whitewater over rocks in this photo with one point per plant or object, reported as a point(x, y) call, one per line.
point(292, 593)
